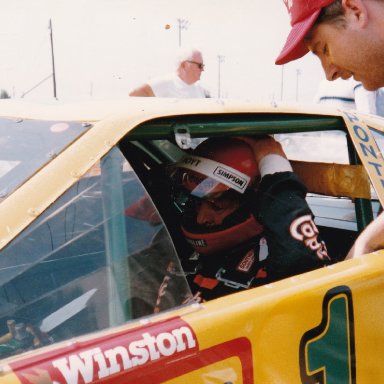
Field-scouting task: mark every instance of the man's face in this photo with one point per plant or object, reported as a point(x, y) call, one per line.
point(211, 212)
point(351, 51)
point(193, 68)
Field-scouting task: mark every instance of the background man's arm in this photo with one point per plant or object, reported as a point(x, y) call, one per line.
point(371, 239)
point(143, 91)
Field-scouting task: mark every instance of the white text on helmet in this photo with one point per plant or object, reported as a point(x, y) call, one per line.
point(191, 160)
point(231, 177)
point(197, 242)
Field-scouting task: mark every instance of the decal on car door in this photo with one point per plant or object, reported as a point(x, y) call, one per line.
point(327, 352)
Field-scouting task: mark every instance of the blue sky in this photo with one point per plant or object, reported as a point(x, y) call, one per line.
point(104, 48)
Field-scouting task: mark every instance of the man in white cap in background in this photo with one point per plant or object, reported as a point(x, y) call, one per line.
point(183, 83)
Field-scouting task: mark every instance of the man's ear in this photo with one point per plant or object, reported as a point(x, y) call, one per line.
point(356, 11)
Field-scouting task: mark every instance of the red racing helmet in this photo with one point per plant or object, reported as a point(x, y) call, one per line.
point(217, 166)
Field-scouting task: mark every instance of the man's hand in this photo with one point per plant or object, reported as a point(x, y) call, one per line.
point(370, 240)
point(263, 147)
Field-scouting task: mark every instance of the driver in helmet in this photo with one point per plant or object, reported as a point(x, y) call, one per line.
point(243, 212)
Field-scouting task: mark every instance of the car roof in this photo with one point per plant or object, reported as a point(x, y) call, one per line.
point(147, 107)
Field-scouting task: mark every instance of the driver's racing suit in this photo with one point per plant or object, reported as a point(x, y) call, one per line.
point(289, 244)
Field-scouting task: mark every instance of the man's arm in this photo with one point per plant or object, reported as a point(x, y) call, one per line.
point(294, 241)
point(371, 239)
point(143, 91)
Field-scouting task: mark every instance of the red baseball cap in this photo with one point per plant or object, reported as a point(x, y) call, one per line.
point(303, 15)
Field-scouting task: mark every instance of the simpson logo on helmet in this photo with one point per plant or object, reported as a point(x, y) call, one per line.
point(216, 173)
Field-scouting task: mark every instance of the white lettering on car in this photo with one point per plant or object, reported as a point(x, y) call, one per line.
point(96, 364)
point(304, 229)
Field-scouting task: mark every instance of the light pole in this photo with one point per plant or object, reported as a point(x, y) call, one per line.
point(183, 24)
point(298, 73)
point(220, 59)
point(53, 61)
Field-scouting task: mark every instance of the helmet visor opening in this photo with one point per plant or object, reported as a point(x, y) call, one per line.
point(202, 186)
point(187, 202)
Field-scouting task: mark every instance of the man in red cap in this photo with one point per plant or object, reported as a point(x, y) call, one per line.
point(348, 38)
point(346, 35)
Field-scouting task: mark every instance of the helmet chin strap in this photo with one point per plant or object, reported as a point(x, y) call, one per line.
point(223, 239)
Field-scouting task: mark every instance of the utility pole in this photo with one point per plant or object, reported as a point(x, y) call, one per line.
point(53, 61)
point(183, 24)
point(220, 59)
point(53, 74)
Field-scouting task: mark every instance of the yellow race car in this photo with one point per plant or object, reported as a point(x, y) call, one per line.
point(80, 275)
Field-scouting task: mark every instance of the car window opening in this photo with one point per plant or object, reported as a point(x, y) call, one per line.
point(153, 178)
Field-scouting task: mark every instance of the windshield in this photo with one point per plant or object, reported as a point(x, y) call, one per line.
point(94, 259)
point(26, 145)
